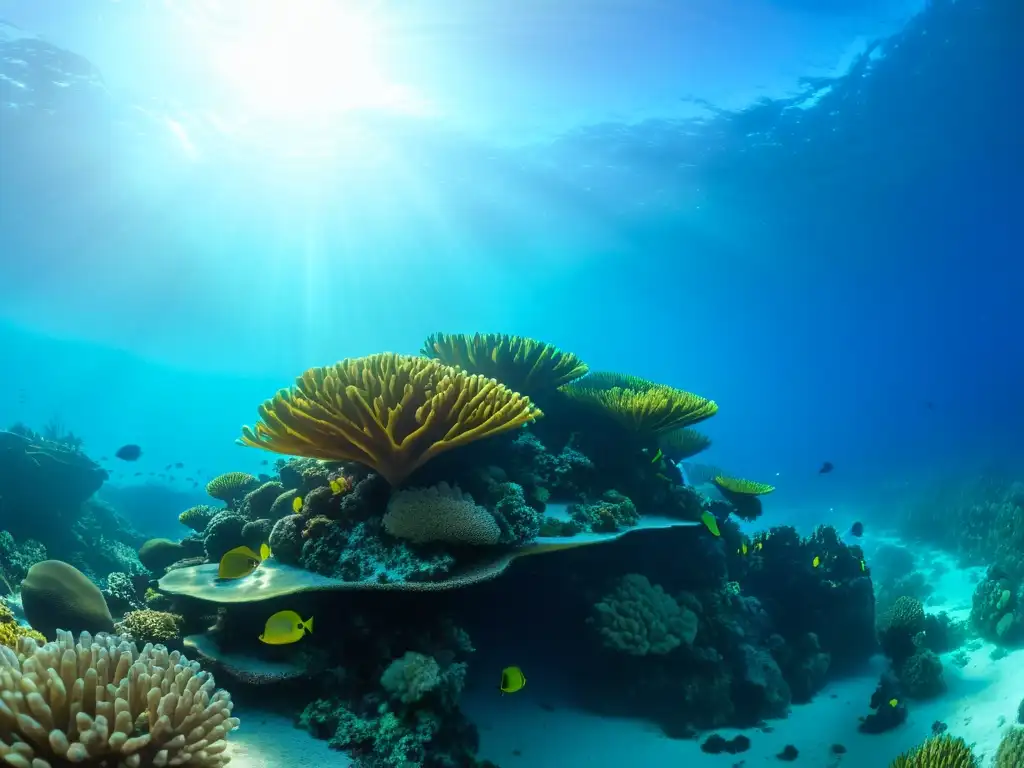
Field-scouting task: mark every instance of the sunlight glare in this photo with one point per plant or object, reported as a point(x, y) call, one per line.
point(312, 58)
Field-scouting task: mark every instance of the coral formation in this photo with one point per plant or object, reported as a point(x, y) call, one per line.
point(57, 595)
point(392, 413)
point(1010, 753)
point(197, 517)
point(638, 618)
point(683, 443)
point(653, 410)
point(231, 486)
point(521, 364)
point(440, 514)
point(938, 752)
point(149, 626)
point(101, 702)
point(11, 630)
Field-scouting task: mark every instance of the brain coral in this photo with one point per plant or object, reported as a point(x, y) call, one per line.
point(440, 514)
point(639, 618)
point(102, 703)
point(57, 595)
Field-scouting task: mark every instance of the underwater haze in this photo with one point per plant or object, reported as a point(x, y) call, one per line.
point(807, 211)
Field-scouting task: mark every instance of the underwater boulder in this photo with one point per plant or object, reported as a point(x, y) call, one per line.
point(56, 595)
point(159, 554)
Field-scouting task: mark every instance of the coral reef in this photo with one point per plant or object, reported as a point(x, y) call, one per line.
point(638, 618)
point(652, 410)
point(938, 752)
point(392, 413)
point(55, 717)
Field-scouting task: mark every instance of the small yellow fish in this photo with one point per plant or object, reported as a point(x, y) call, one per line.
point(759, 546)
point(657, 457)
point(816, 561)
point(265, 551)
point(336, 487)
point(512, 680)
point(863, 566)
point(743, 548)
point(893, 702)
point(238, 562)
point(297, 504)
point(285, 627)
point(709, 520)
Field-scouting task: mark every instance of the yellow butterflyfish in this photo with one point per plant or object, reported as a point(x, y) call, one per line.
point(335, 487)
point(709, 520)
point(297, 504)
point(265, 551)
point(512, 680)
point(816, 561)
point(238, 562)
point(893, 702)
point(285, 627)
point(863, 565)
point(759, 546)
point(657, 457)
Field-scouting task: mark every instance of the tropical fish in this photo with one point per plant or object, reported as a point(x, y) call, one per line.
point(338, 486)
point(816, 561)
point(179, 465)
point(857, 529)
point(894, 702)
point(657, 457)
point(285, 627)
point(709, 520)
point(743, 548)
point(863, 566)
point(758, 546)
point(241, 561)
point(512, 680)
point(238, 562)
point(129, 452)
point(826, 467)
point(297, 504)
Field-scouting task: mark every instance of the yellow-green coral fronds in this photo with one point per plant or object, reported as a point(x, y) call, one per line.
point(656, 410)
point(392, 413)
point(231, 486)
point(938, 752)
point(524, 365)
point(610, 379)
point(683, 443)
point(742, 487)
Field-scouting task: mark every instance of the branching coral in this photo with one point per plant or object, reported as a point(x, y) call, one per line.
point(521, 364)
point(639, 618)
point(231, 486)
point(411, 677)
point(102, 702)
point(654, 410)
point(440, 514)
point(197, 517)
point(938, 752)
point(392, 413)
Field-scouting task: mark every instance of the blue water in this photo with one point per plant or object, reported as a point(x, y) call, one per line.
point(808, 211)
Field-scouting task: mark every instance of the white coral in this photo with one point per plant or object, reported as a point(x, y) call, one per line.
point(102, 702)
point(441, 513)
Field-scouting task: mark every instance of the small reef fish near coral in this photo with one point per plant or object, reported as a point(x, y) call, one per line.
point(286, 627)
point(512, 680)
point(241, 561)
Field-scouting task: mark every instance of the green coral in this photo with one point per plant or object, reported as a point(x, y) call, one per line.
point(907, 615)
point(149, 626)
point(640, 619)
point(231, 486)
point(921, 675)
point(938, 752)
point(1010, 753)
point(611, 514)
point(197, 517)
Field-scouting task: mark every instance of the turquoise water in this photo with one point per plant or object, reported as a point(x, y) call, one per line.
point(802, 211)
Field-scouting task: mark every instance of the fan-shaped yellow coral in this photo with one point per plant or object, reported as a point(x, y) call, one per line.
point(231, 486)
point(655, 410)
point(610, 379)
point(742, 487)
point(680, 444)
point(391, 412)
point(521, 364)
point(938, 752)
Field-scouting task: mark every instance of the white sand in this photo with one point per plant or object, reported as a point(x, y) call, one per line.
point(266, 740)
point(981, 701)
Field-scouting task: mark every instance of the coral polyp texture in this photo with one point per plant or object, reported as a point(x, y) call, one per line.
point(654, 410)
point(639, 618)
point(231, 486)
point(938, 752)
point(522, 364)
point(102, 703)
point(684, 443)
point(440, 514)
point(741, 487)
point(392, 413)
